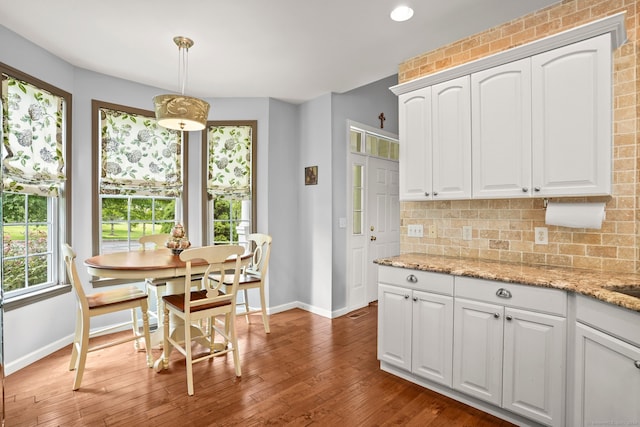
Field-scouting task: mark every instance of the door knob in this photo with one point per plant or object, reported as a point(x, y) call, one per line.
point(373, 238)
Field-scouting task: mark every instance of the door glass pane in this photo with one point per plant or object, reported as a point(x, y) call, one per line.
point(383, 148)
point(357, 198)
point(372, 145)
point(394, 150)
point(355, 141)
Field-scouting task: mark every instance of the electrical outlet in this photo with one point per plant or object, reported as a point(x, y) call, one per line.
point(541, 236)
point(467, 232)
point(415, 230)
point(433, 231)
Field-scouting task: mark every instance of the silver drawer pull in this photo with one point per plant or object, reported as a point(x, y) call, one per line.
point(503, 293)
point(509, 317)
point(406, 297)
point(412, 279)
point(637, 363)
point(496, 315)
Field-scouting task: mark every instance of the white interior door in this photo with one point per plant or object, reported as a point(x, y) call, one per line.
point(373, 224)
point(382, 217)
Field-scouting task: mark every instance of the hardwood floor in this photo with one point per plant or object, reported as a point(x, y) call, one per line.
point(309, 371)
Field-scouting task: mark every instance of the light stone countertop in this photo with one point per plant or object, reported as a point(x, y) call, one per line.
point(596, 284)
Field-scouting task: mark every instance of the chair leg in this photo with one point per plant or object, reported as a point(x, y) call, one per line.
point(263, 307)
point(144, 306)
point(82, 351)
point(76, 341)
point(246, 305)
point(189, 356)
point(135, 328)
point(165, 346)
point(231, 321)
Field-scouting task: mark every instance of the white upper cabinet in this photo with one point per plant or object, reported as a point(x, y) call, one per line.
point(451, 122)
point(572, 119)
point(501, 131)
point(532, 121)
point(415, 145)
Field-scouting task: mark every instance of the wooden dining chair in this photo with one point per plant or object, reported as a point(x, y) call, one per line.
point(208, 303)
point(254, 277)
point(157, 286)
point(129, 298)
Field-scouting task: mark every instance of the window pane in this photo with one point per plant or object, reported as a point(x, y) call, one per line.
point(38, 271)
point(372, 145)
point(141, 209)
point(37, 208)
point(13, 207)
point(14, 274)
point(114, 209)
point(394, 151)
point(15, 240)
point(38, 239)
point(355, 141)
point(383, 148)
point(357, 176)
point(357, 223)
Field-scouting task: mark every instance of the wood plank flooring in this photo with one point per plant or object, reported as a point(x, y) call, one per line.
point(309, 371)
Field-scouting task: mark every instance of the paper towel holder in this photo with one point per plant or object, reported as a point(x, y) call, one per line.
point(545, 202)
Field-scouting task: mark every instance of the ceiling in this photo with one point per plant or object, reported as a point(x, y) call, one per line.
point(293, 50)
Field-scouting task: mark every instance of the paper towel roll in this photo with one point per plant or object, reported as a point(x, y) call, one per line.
point(575, 215)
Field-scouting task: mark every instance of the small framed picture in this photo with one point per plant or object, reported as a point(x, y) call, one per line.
point(311, 175)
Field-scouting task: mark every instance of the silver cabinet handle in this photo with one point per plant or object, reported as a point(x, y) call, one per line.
point(406, 297)
point(503, 293)
point(415, 299)
point(525, 189)
point(496, 315)
point(412, 279)
point(536, 189)
point(637, 363)
point(426, 194)
point(435, 193)
point(509, 317)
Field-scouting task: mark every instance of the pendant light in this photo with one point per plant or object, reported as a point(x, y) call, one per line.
point(181, 112)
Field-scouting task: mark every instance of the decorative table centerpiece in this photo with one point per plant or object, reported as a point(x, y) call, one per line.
point(178, 241)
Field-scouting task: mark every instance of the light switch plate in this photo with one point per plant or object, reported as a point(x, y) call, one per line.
point(415, 230)
point(433, 231)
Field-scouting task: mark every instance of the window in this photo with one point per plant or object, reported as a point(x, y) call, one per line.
point(36, 158)
point(138, 178)
point(374, 145)
point(229, 184)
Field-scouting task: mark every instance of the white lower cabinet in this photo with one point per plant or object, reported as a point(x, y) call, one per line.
point(415, 327)
point(607, 368)
point(510, 347)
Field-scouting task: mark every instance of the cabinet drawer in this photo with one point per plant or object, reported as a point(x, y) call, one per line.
point(552, 301)
point(415, 279)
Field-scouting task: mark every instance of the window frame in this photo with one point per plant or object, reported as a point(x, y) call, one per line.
point(208, 203)
point(64, 212)
point(96, 105)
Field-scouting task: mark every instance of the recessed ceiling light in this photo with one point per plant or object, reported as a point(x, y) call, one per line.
point(401, 13)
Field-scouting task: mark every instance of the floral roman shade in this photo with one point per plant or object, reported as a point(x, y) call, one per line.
point(138, 157)
point(229, 173)
point(32, 159)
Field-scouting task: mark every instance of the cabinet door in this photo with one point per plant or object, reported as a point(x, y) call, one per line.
point(432, 350)
point(607, 379)
point(477, 349)
point(451, 123)
point(501, 131)
point(415, 144)
point(572, 119)
point(394, 326)
point(534, 365)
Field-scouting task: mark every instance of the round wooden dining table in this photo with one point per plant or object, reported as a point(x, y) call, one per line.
point(159, 263)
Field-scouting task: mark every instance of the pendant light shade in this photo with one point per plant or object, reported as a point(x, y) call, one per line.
point(179, 111)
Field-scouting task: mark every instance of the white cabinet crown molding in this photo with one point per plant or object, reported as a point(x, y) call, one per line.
point(613, 24)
